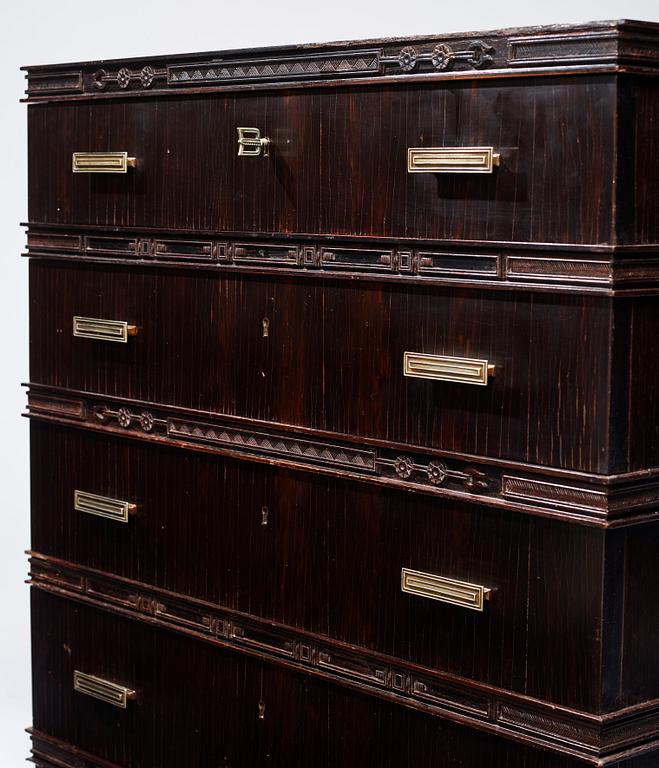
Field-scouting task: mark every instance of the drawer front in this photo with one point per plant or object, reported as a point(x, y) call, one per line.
point(337, 162)
point(487, 595)
point(519, 376)
point(194, 703)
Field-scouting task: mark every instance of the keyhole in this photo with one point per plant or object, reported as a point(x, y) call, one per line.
point(261, 710)
point(266, 326)
point(264, 515)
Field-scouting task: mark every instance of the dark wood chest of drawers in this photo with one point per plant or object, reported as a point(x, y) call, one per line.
point(344, 407)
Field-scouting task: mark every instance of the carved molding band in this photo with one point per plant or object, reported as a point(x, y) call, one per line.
point(602, 46)
point(123, 77)
point(594, 740)
point(306, 450)
point(476, 55)
point(298, 67)
point(590, 500)
point(560, 270)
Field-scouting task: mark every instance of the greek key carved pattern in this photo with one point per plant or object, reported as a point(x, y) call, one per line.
point(444, 264)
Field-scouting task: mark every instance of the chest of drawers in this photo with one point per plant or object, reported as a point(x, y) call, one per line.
point(343, 404)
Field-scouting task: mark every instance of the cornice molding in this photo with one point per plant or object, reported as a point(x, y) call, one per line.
point(601, 46)
point(598, 740)
point(575, 497)
point(513, 266)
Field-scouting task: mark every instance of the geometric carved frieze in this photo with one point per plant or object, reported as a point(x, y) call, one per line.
point(608, 273)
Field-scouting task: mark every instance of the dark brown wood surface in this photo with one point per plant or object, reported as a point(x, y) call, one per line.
point(283, 467)
point(333, 357)
point(338, 163)
point(329, 559)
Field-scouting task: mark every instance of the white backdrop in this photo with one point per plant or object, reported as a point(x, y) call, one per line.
point(49, 31)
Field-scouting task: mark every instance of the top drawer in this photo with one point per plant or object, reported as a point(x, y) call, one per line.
point(338, 162)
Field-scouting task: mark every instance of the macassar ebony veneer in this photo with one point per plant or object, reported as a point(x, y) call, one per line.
point(329, 357)
point(344, 415)
point(338, 162)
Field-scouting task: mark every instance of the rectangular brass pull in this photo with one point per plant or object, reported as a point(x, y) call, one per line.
point(452, 159)
point(103, 330)
point(103, 506)
point(463, 370)
point(104, 690)
point(102, 162)
point(461, 593)
point(251, 144)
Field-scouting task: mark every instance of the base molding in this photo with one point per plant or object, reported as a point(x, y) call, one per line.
point(48, 752)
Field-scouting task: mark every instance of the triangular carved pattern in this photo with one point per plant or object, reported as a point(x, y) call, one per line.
point(274, 69)
point(329, 454)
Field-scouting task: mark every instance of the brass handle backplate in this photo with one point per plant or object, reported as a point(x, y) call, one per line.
point(103, 330)
point(461, 593)
point(452, 159)
point(103, 506)
point(462, 370)
point(102, 162)
point(104, 690)
point(251, 144)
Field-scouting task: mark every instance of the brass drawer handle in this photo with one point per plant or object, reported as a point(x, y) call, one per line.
point(102, 162)
point(452, 159)
point(461, 593)
point(103, 330)
point(463, 370)
point(103, 506)
point(104, 690)
point(250, 143)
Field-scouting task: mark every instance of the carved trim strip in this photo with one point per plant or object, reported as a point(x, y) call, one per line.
point(564, 48)
point(581, 735)
point(601, 46)
point(51, 405)
point(572, 270)
point(553, 493)
point(450, 264)
point(550, 493)
point(302, 66)
point(273, 444)
point(45, 83)
point(124, 76)
point(442, 57)
point(359, 258)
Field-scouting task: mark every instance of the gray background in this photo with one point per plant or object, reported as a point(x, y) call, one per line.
point(72, 30)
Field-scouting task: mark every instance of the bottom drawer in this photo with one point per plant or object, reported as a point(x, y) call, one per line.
point(192, 704)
